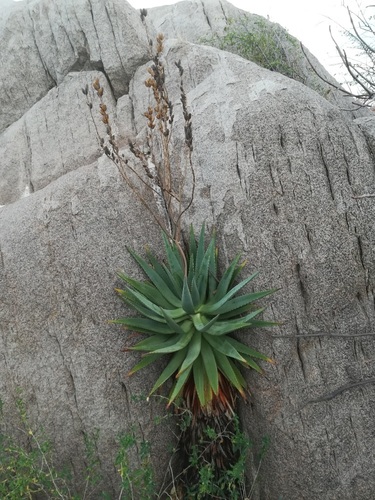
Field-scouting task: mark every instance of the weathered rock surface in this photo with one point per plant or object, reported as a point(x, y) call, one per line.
point(367, 125)
point(55, 136)
point(279, 173)
point(63, 36)
point(193, 20)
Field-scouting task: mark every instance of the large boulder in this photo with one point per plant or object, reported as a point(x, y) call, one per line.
point(281, 174)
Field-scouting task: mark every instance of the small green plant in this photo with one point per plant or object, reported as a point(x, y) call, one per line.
point(136, 482)
point(93, 476)
point(231, 483)
point(27, 470)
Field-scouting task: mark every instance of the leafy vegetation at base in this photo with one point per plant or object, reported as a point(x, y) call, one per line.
point(27, 471)
point(231, 483)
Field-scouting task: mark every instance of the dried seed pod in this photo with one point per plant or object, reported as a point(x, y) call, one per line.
point(96, 84)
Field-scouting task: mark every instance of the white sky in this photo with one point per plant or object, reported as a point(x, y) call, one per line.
point(307, 20)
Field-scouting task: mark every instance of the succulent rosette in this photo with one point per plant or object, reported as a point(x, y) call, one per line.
point(189, 313)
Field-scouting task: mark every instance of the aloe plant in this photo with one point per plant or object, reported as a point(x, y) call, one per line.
point(189, 314)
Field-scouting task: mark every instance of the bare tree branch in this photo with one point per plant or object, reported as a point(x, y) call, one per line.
point(362, 74)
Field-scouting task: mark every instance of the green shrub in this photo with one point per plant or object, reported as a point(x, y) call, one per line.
point(265, 43)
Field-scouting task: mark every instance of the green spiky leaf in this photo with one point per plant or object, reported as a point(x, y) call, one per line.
point(226, 367)
point(175, 261)
point(176, 344)
point(193, 352)
point(145, 325)
point(201, 383)
point(146, 289)
point(178, 386)
point(223, 346)
point(210, 365)
point(187, 300)
point(221, 306)
point(225, 327)
point(170, 369)
point(147, 360)
point(157, 279)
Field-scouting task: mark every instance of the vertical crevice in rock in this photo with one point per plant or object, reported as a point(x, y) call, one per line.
point(114, 38)
point(326, 170)
point(45, 66)
point(2, 259)
point(29, 186)
point(301, 286)
point(300, 358)
point(205, 15)
point(223, 11)
point(360, 250)
point(347, 168)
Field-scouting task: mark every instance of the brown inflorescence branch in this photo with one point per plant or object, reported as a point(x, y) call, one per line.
point(156, 175)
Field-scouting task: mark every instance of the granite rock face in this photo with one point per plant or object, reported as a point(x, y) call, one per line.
point(280, 173)
point(63, 36)
point(192, 21)
point(55, 136)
